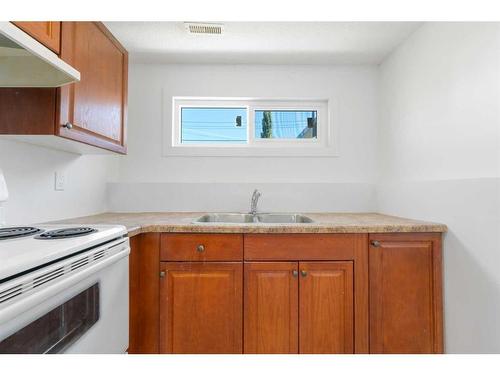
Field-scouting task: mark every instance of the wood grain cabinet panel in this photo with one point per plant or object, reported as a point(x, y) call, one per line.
point(201, 247)
point(201, 308)
point(144, 268)
point(95, 106)
point(133, 300)
point(27, 110)
point(326, 308)
point(217, 303)
point(92, 111)
point(305, 307)
point(300, 246)
point(46, 32)
point(271, 308)
point(405, 294)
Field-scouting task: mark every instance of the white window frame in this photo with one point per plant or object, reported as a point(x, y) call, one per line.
point(322, 145)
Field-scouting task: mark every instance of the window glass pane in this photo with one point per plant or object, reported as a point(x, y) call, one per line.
point(217, 125)
point(286, 124)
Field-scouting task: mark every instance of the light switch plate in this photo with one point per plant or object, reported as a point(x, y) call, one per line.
point(60, 181)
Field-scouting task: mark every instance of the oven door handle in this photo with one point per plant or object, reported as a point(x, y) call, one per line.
point(37, 296)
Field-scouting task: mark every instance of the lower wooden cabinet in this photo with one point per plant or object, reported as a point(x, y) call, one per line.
point(299, 307)
point(405, 293)
point(380, 293)
point(144, 312)
point(326, 316)
point(201, 308)
point(271, 308)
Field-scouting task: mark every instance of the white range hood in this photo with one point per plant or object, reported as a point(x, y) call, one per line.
point(24, 62)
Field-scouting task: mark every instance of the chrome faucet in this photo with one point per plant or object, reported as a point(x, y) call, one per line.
point(255, 200)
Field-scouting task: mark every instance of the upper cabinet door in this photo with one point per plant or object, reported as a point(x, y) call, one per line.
point(201, 308)
point(93, 110)
point(271, 308)
point(405, 293)
point(46, 32)
point(326, 316)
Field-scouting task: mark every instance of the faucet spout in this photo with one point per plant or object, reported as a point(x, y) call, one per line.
point(255, 200)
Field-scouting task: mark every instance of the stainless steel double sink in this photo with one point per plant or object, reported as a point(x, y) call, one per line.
point(236, 218)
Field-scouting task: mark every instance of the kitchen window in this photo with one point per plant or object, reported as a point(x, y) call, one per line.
point(250, 127)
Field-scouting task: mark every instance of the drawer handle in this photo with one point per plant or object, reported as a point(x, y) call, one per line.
point(375, 243)
point(200, 248)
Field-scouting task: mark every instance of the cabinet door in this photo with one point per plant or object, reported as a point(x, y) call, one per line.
point(95, 107)
point(405, 293)
point(271, 307)
point(46, 32)
point(326, 307)
point(201, 308)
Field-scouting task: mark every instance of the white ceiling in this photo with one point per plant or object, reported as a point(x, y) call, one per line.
point(264, 42)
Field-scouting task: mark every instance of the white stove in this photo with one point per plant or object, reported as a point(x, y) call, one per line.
point(64, 288)
point(18, 254)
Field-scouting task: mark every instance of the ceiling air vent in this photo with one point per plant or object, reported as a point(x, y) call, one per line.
point(204, 28)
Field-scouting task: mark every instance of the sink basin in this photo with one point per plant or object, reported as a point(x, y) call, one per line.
point(284, 218)
point(255, 219)
point(225, 218)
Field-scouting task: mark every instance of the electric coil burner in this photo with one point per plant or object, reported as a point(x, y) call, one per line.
point(65, 233)
point(17, 232)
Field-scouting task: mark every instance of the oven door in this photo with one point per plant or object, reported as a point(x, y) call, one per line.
point(84, 313)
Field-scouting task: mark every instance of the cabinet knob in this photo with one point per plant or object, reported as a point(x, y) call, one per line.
point(200, 248)
point(303, 273)
point(295, 273)
point(162, 274)
point(68, 125)
point(375, 243)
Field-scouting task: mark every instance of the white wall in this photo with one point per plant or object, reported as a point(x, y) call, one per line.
point(440, 160)
point(29, 172)
point(351, 89)
point(430, 112)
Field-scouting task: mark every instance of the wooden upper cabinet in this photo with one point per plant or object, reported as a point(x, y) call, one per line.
point(405, 293)
point(95, 107)
point(92, 111)
point(326, 308)
point(271, 308)
point(201, 308)
point(46, 32)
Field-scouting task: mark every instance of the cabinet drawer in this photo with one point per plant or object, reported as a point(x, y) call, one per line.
point(201, 247)
point(300, 246)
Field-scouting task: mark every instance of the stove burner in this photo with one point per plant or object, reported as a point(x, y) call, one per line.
point(16, 232)
point(65, 233)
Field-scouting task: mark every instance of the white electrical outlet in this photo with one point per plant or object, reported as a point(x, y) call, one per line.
point(60, 181)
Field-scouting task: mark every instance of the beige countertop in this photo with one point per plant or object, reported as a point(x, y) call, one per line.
point(180, 222)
